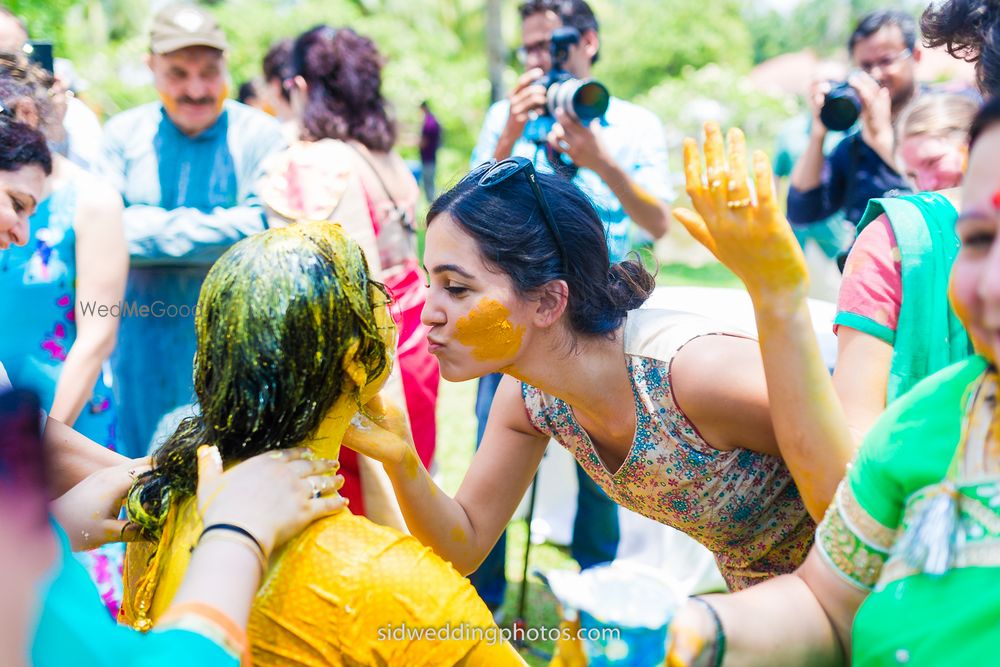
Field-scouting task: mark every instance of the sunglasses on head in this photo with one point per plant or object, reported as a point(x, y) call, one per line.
point(492, 174)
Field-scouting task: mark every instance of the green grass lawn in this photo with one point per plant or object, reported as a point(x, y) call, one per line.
point(456, 443)
point(710, 275)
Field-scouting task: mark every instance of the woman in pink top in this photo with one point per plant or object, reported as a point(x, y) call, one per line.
point(879, 355)
point(335, 86)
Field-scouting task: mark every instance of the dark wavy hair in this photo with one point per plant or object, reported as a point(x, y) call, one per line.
point(21, 146)
point(970, 30)
point(874, 21)
point(21, 79)
point(277, 314)
point(506, 223)
point(276, 64)
point(344, 72)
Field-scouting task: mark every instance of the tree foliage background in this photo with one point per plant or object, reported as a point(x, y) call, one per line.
point(685, 59)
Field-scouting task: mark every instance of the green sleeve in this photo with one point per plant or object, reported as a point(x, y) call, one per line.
point(865, 325)
point(910, 447)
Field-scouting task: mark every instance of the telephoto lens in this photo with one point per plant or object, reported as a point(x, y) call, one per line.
point(583, 100)
point(841, 108)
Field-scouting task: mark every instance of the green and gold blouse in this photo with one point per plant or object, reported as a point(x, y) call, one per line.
point(917, 523)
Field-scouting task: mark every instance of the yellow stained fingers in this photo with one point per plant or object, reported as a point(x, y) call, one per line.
point(696, 227)
point(692, 168)
point(739, 187)
point(715, 161)
point(767, 200)
point(695, 187)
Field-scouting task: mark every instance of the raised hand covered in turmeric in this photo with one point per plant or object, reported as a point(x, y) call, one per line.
point(747, 232)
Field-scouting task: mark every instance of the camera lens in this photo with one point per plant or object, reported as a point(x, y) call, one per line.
point(583, 100)
point(841, 108)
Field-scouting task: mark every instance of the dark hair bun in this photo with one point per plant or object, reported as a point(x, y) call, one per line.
point(630, 284)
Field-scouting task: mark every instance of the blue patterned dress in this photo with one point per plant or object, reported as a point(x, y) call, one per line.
point(37, 330)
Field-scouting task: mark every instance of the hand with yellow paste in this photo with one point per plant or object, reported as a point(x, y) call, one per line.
point(381, 432)
point(752, 238)
point(89, 511)
point(756, 242)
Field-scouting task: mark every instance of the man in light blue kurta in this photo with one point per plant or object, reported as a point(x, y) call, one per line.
point(187, 168)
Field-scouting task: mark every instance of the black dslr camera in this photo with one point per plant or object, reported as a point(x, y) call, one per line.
point(583, 100)
point(841, 108)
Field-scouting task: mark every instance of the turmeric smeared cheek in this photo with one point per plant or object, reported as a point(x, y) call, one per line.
point(488, 332)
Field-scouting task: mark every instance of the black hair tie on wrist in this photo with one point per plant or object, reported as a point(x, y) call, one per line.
point(236, 529)
point(720, 635)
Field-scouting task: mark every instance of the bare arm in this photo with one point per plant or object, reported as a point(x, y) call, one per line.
point(525, 98)
point(462, 529)
point(643, 208)
point(74, 457)
point(861, 378)
point(798, 619)
point(808, 419)
point(583, 145)
point(718, 381)
point(380, 500)
point(807, 172)
point(756, 242)
point(102, 269)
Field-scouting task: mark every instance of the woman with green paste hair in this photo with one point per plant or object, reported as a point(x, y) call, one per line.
point(293, 337)
point(906, 562)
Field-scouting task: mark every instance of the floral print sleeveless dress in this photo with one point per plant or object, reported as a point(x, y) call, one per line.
point(740, 504)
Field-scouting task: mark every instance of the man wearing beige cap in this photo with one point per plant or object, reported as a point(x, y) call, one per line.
point(187, 167)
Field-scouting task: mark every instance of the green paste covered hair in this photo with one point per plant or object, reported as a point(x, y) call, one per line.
point(276, 317)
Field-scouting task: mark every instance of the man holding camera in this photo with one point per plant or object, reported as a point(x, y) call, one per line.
point(619, 159)
point(862, 167)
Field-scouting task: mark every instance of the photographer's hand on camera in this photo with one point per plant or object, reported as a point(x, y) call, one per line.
point(808, 170)
point(876, 116)
point(525, 98)
point(816, 97)
point(581, 144)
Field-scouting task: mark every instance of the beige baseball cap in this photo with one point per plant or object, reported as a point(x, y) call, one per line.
point(179, 26)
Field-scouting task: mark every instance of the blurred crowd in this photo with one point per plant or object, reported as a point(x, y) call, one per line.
point(198, 230)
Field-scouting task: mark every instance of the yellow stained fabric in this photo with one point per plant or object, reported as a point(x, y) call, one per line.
point(329, 593)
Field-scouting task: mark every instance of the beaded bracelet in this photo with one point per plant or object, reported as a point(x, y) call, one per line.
point(719, 651)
